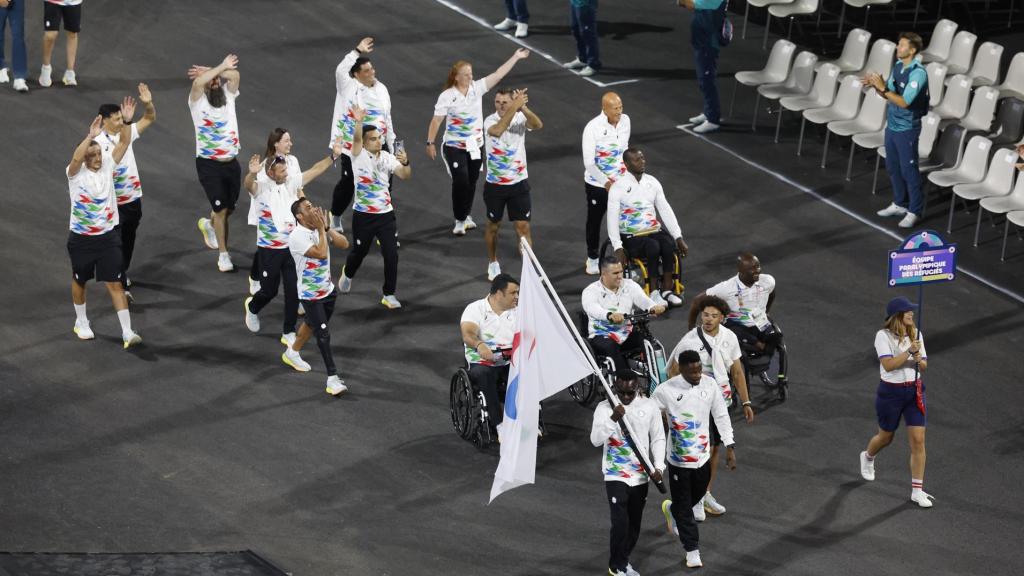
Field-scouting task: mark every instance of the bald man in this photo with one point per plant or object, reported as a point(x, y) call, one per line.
point(750, 295)
point(605, 138)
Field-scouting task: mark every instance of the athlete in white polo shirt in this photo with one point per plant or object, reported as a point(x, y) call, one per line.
point(605, 138)
point(93, 243)
point(487, 325)
point(127, 186)
point(507, 181)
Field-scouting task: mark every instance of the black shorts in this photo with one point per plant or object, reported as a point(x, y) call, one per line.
point(515, 196)
point(53, 14)
point(221, 181)
point(95, 256)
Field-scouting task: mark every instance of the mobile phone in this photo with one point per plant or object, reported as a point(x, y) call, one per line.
point(399, 147)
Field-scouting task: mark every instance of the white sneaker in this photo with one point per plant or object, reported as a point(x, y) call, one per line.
point(69, 78)
point(630, 571)
point(592, 267)
point(892, 210)
point(909, 220)
point(44, 76)
point(131, 339)
point(224, 263)
point(711, 506)
point(336, 224)
point(288, 339)
point(335, 385)
point(867, 467)
point(254, 286)
point(505, 25)
point(4, 78)
point(460, 228)
point(292, 358)
point(468, 222)
point(390, 302)
point(252, 321)
point(522, 30)
point(672, 298)
point(493, 269)
point(209, 236)
point(20, 85)
point(698, 119)
point(658, 300)
point(706, 127)
point(693, 559)
point(922, 499)
point(587, 71)
point(698, 511)
point(574, 64)
point(344, 283)
point(83, 330)
point(670, 522)
point(616, 573)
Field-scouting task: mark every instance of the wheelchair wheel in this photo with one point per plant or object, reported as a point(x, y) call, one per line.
point(481, 434)
point(461, 403)
point(783, 390)
point(583, 391)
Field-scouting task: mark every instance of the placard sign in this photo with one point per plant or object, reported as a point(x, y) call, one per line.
point(923, 258)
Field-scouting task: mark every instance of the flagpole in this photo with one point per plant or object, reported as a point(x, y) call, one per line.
point(612, 398)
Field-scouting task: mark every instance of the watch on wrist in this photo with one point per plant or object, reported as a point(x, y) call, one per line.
point(429, 143)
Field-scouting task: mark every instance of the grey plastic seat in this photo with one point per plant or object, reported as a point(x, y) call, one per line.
point(936, 82)
point(870, 118)
point(1017, 218)
point(1009, 125)
point(971, 168)
point(775, 70)
point(985, 69)
point(798, 83)
point(940, 42)
point(983, 110)
point(1013, 84)
point(961, 54)
point(956, 99)
point(855, 51)
point(998, 183)
point(822, 93)
point(1003, 205)
point(788, 10)
point(758, 4)
point(880, 59)
point(844, 107)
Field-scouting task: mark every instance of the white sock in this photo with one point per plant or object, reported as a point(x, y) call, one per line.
point(125, 318)
point(916, 486)
point(80, 313)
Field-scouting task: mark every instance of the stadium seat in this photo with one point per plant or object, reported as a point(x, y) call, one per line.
point(870, 118)
point(998, 183)
point(954, 102)
point(961, 53)
point(936, 82)
point(1008, 127)
point(855, 51)
point(758, 4)
point(940, 42)
point(1017, 218)
point(845, 107)
point(775, 70)
point(1013, 85)
point(982, 112)
point(788, 10)
point(985, 69)
point(823, 92)
point(798, 83)
point(879, 60)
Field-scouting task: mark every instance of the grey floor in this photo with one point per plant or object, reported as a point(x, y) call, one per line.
point(202, 440)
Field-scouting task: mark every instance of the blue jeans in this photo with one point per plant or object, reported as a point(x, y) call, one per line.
point(704, 30)
point(584, 29)
point(901, 162)
point(15, 14)
point(516, 10)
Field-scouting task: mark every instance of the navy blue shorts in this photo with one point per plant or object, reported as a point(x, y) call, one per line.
point(893, 401)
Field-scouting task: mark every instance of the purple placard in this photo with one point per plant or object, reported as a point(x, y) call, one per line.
point(923, 259)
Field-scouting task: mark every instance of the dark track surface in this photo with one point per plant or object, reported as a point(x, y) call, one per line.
point(202, 440)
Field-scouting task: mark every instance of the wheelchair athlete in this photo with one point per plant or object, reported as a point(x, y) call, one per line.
point(750, 295)
point(606, 302)
point(634, 203)
point(487, 325)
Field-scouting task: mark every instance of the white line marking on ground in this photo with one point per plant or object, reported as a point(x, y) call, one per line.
point(541, 53)
point(686, 128)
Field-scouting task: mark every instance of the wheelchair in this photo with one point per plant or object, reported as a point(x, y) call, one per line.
point(636, 270)
point(756, 362)
point(647, 362)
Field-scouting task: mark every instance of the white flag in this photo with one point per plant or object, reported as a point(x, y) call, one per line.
point(545, 360)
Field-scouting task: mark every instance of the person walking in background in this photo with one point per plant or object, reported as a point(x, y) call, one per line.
point(901, 358)
point(906, 92)
point(13, 11)
point(583, 14)
point(55, 12)
point(518, 18)
point(705, 31)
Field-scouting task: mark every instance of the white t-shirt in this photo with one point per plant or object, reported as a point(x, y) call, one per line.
point(65, 2)
point(216, 128)
point(603, 145)
point(93, 204)
point(634, 206)
point(748, 304)
point(253, 218)
point(506, 154)
point(496, 330)
point(371, 174)
point(726, 348)
point(887, 346)
point(689, 409)
point(314, 273)
point(273, 202)
point(464, 114)
point(619, 463)
point(375, 100)
point(127, 186)
point(599, 301)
